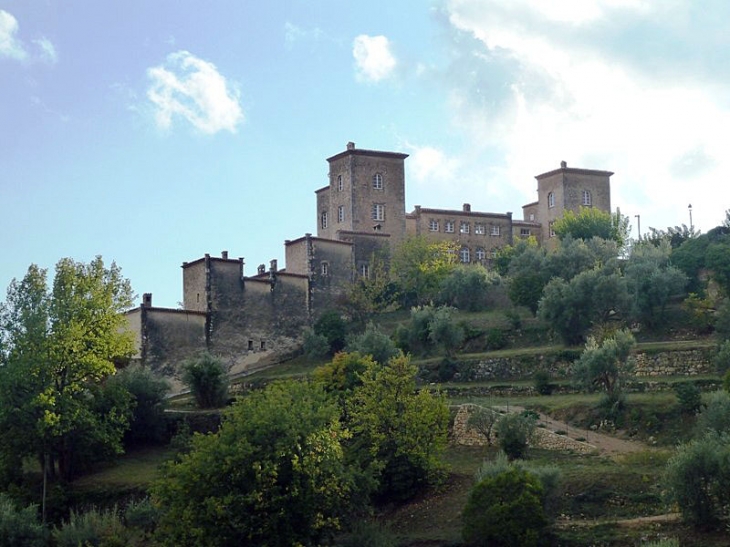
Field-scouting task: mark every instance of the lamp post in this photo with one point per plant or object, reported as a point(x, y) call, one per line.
point(638, 225)
point(691, 226)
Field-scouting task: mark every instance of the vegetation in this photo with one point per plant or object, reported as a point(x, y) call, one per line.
point(591, 222)
point(207, 379)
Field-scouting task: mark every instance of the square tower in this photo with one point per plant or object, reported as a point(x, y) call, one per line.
point(366, 194)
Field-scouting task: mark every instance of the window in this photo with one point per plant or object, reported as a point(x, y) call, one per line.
point(532, 217)
point(481, 254)
point(378, 181)
point(340, 186)
point(524, 232)
point(552, 232)
point(341, 213)
point(433, 225)
point(586, 198)
point(495, 230)
point(378, 211)
point(551, 200)
point(325, 268)
point(250, 345)
point(324, 220)
point(479, 229)
point(464, 255)
point(463, 227)
point(449, 228)
point(263, 344)
point(364, 270)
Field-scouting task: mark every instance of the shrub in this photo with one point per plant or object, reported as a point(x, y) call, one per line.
point(467, 288)
point(688, 396)
point(315, 345)
point(505, 510)
point(94, 527)
point(375, 343)
point(148, 422)
point(142, 515)
point(542, 383)
point(496, 339)
point(722, 320)
point(331, 325)
point(722, 357)
point(207, 379)
point(484, 419)
point(447, 369)
point(20, 527)
point(369, 534)
point(715, 415)
point(514, 432)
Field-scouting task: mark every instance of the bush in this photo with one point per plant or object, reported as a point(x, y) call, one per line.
point(331, 325)
point(369, 534)
point(722, 357)
point(148, 422)
point(688, 396)
point(207, 379)
point(94, 527)
point(484, 419)
point(505, 510)
point(375, 343)
point(496, 339)
point(467, 288)
point(447, 369)
point(514, 432)
point(142, 515)
point(20, 527)
point(542, 383)
point(722, 320)
point(315, 345)
point(715, 415)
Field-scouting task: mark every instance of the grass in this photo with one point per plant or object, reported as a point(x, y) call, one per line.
point(137, 468)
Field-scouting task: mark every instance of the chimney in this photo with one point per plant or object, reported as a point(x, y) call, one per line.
point(273, 265)
point(351, 145)
point(147, 300)
point(261, 270)
point(224, 255)
point(467, 207)
point(563, 165)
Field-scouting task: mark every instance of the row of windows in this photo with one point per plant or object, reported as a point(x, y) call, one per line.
point(377, 213)
point(480, 254)
point(464, 227)
point(586, 199)
point(377, 182)
point(363, 269)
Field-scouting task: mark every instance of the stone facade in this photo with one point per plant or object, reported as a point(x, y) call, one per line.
point(253, 321)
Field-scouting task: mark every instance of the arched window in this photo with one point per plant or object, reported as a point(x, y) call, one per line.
point(551, 200)
point(464, 255)
point(481, 254)
point(587, 202)
point(378, 181)
point(339, 183)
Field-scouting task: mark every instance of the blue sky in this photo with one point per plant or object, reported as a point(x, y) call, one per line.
point(153, 132)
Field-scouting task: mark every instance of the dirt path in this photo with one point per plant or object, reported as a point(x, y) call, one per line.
point(605, 444)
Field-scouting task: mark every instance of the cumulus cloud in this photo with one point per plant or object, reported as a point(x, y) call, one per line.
point(564, 94)
point(192, 89)
point(9, 44)
point(373, 59)
point(428, 164)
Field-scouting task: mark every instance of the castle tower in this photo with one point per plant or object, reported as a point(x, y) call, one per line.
point(568, 189)
point(366, 194)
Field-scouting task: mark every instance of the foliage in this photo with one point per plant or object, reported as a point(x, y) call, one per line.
point(342, 374)
point(20, 527)
point(505, 510)
point(400, 431)
point(373, 294)
point(483, 419)
point(467, 288)
point(674, 235)
point(60, 345)
point(528, 276)
point(315, 346)
point(670, 542)
point(207, 380)
point(542, 383)
point(141, 515)
point(148, 423)
point(652, 281)
point(514, 432)
point(503, 261)
point(603, 364)
point(717, 260)
point(574, 256)
point(430, 327)
point(331, 325)
point(688, 396)
point(590, 298)
point(591, 222)
point(419, 266)
point(715, 415)
point(373, 342)
point(496, 339)
point(369, 534)
point(722, 357)
point(697, 478)
point(92, 527)
point(274, 474)
point(722, 320)
point(700, 311)
point(443, 332)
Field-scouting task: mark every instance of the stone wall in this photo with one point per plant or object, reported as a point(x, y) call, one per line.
point(691, 362)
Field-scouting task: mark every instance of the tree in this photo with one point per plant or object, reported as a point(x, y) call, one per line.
point(147, 423)
point(373, 342)
point(483, 419)
point(401, 431)
point(20, 527)
point(206, 378)
point(604, 363)
point(514, 433)
point(331, 325)
point(528, 277)
point(374, 293)
point(61, 344)
point(674, 235)
point(505, 510)
point(590, 222)
point(503, 261)
point(274, 474)
point(467, 288)
point(419, 267)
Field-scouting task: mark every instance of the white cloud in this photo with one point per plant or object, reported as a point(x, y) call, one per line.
point(373, 58)
point(294, 33)
point(428, 164)
point(9, 45)
point(568, 97)
point(48, 50)
point(193, 89)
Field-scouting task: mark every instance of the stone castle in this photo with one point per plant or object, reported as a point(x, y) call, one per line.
point(254, 321)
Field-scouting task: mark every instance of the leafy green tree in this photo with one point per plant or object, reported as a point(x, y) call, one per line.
point(148, 423)
point(528, 276)
point(315, 346)
point(274, 474)
point(574, 256)
point(674, 235)
point(505, 510)
point(373, 294)
point(60, 346)
point(483, 419)
point(443, 332)
point(689, 397)
point(590, 222)
point(603, 364)
point(467, 288)
point(503, 261)
point(207, 379)
point(514, 433)
point(20, 527)
point(373, 342)
point(697, 478)
point(332, 326)
point(718, 262)
point(400, 431)
point(714, 417)
point(419, 266)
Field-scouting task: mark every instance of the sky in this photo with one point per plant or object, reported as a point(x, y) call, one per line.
point(151, 133)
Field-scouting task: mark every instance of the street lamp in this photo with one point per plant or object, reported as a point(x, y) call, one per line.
point(638, 225)
point(691, 226)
